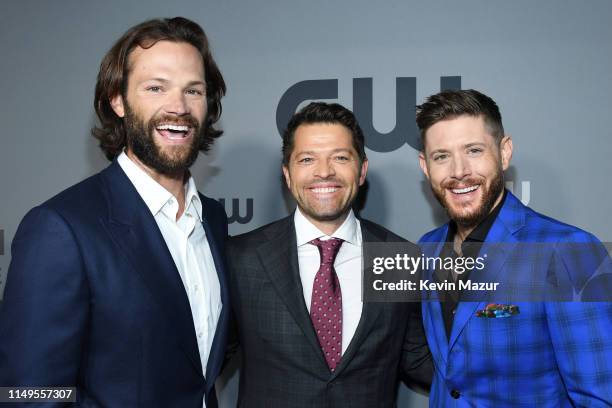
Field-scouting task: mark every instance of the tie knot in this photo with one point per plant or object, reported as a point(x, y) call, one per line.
point(328, 249)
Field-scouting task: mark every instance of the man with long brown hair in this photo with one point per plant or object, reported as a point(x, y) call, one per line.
point(117, 285)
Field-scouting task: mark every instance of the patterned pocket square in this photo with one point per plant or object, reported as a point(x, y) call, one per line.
point(497, 310)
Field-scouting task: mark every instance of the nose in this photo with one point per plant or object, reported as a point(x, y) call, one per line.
point(176, 103)
point(460, 168)
point(325, 169)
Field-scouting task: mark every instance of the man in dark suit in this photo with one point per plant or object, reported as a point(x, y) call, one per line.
point(117, 285)
point(528, 341)
point(307, 338)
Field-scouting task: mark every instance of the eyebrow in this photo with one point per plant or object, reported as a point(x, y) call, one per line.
point(192, 83)
point(165, 81)
point(467, 146)
point(312, 152)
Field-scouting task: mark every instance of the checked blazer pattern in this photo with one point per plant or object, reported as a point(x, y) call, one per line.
point(282, 362)
point(551, 354)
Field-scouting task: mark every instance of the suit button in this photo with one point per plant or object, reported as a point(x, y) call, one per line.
point(455, 394)
point(454, 311)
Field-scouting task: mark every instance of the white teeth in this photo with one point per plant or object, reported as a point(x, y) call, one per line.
point(325, 190)
point(464, 190)
point(176, 128)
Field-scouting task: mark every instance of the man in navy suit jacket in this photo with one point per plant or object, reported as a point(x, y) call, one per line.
point(117, 285)
point(510, 346)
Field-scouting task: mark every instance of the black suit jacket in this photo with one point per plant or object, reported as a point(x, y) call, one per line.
point(283, 365)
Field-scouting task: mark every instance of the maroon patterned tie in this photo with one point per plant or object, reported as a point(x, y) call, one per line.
point(326, 304)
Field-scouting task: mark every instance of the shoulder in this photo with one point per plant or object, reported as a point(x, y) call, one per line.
point(542, 228)
point(263, 234)
point(68, 210)
point(76, 204)
point(379, 231)
point(382, 234)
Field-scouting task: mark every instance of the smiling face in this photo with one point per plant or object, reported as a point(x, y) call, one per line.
point(324, 173)
point(164, 107)
point(465, 165)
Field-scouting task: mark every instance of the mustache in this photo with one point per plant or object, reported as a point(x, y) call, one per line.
point(470, 181)
point(324, 181)
point(184, 120)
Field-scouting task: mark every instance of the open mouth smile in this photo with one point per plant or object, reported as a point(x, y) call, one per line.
point(324, 189)
point(174, 132)
point(464, 190)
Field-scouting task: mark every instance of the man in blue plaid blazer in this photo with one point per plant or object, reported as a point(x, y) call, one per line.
point(533, 352)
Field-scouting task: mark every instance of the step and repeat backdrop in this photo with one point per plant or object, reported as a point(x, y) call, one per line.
point(546, 63)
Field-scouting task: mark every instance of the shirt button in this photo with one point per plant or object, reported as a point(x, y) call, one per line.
point(455, 394)
point(171, 201)
point(200, 334)
point(195, 288)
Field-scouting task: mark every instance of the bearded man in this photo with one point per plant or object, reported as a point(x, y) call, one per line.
point(117, 284)
point(529, 342)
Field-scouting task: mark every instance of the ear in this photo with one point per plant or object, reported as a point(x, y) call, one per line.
point(116, 103)
point(506, 152)
point(287, 178)
point(423, 163)
point(364, 171)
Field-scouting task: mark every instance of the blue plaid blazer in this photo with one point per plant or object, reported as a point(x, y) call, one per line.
point(551, 354)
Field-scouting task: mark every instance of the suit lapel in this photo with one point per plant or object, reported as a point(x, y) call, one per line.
point(133, 228)
point(217, 350)
point(432, 312)
point(498, 246)
point(370, 311)
point(280, 260)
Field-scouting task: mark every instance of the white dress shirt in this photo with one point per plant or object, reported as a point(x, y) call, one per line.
point(347, 265)
point(188, 245)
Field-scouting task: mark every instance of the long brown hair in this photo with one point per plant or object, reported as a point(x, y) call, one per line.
point(114, 70)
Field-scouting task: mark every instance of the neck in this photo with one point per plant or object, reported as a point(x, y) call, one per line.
point(328, 227)
point(174, 183)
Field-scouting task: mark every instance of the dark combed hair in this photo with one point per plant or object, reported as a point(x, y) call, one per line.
point(321, 112)
point(114, 70)
point(451, 104)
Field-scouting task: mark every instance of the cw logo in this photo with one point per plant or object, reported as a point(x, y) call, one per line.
point(405, 130)
point(234, 215)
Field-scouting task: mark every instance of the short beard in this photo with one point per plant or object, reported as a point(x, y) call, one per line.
point(489, 197)
point(327, 217)
point(140, 140)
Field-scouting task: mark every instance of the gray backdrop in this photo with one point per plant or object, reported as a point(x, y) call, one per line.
point(546, 63)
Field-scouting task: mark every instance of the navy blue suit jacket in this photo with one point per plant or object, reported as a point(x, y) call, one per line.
point(93, 299)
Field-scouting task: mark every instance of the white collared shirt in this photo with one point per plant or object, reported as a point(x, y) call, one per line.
point(347, 265)
point(188, 245)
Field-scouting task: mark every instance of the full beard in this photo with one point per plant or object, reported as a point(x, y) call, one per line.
point(141, 141)
point(473, 218)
